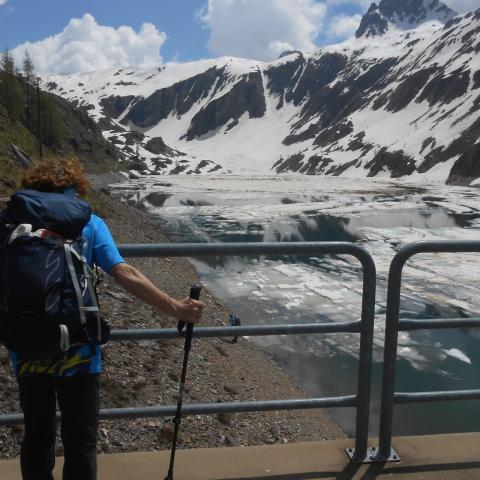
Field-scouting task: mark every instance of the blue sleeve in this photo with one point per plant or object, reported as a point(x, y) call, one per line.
point(105, 252)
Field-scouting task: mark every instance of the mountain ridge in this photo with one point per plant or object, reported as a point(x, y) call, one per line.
point(402, 104)
point(403, 14)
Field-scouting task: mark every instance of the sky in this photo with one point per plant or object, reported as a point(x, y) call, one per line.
point(83, 35)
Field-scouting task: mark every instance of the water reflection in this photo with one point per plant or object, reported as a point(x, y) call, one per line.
point(309, 225)
point(155, 199)
point(313, 227)
point(314, 289)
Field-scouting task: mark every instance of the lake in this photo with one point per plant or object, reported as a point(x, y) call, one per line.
point(380, 215)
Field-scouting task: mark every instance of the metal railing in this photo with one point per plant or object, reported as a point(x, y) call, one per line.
point(394, 324)
point(360, 400)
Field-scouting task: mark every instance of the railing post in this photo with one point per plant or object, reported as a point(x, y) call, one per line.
point(390, 357)
point(365, 361)
point(385, 451)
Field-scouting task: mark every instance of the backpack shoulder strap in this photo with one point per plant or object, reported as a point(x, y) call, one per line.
point(88, 275)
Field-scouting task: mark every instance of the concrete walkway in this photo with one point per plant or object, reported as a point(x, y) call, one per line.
point(452, 457)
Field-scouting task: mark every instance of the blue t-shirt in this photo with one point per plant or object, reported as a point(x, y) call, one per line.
point(101, 249)
point(80, 358)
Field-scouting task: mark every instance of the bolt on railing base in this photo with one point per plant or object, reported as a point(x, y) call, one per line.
point(393, 457)
point(372, 456)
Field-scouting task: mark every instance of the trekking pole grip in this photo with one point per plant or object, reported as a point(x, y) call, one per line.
point(195, 295)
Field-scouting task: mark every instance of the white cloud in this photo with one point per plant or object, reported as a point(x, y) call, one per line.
point(262, 29)
point(462, 6)
point(3, 2)
point(84, 45)
point(343, 26)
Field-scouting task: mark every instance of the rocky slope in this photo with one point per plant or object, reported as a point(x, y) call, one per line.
point(82, 137)
point(400, 98)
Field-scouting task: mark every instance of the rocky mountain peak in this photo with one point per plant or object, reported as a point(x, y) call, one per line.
point(289, 52)
point(403, 14)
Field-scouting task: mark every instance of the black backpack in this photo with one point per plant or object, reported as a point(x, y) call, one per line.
point(48, 297)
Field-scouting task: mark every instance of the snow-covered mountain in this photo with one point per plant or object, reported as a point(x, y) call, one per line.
point(401, 97)
point(406, 15)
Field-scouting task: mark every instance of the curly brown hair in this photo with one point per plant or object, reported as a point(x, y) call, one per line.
point(55, 175)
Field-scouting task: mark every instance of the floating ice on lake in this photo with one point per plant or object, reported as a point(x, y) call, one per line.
point(381, 214)
point(458, 354)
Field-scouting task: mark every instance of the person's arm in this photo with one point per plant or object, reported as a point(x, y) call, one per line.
point(136, 283)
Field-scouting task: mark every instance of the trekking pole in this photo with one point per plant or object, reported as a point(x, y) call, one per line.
point(234, 322)
point(195, 295)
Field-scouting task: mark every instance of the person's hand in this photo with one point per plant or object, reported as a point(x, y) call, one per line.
point(189, 310)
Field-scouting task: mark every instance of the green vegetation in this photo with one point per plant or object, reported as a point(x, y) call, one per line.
point(10, 170)
point(29, 74)
point(26, 104)
point(10, 89)
point(19, 119)
point(13, 132)
point(28, 115)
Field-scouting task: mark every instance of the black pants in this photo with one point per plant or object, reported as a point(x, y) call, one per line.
point(78, 399)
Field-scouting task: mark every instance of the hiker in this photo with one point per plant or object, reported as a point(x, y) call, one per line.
point(72, 378)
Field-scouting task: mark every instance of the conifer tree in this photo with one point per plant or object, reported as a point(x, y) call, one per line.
point(10, 91)
point(29, 79)
point(7, 63)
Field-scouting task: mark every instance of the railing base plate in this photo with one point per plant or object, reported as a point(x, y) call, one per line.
point(372, 456)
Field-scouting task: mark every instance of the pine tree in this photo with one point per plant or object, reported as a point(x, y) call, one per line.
point(28, 68)
point(29, 79)
point(7, 63)
point(10, 91)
